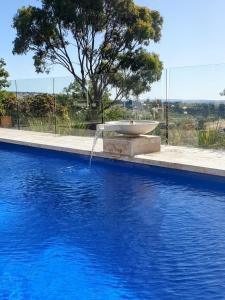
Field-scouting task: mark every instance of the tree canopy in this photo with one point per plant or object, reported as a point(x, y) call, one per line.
point(3, 75)
point(104, 42)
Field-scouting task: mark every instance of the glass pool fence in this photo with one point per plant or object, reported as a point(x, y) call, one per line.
point(188, 102)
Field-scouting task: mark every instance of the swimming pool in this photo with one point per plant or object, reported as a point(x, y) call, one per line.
point(115, 231)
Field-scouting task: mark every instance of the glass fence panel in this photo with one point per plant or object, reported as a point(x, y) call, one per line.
point(154, 106)
point(75, 113)
point(197, 106)
point(9, 107)
point(148, 105)
point(118, 105)
point(65, 106)
point(36, 104)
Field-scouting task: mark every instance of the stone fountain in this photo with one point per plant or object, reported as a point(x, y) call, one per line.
point(130, 138)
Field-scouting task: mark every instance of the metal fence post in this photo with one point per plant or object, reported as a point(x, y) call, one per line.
point(102, 109)
point(167, 109)
point(55, 119)
point(17, 107)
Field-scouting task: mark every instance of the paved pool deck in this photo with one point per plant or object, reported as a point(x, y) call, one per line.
point(182, 158)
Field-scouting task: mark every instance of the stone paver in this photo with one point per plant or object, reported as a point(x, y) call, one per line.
point(182, 158)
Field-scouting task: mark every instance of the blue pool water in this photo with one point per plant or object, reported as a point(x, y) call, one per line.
point(115, 231)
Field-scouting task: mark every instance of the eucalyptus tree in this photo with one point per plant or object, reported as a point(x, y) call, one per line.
point(102, 42)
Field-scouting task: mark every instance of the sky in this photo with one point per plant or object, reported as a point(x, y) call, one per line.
point(193, 35)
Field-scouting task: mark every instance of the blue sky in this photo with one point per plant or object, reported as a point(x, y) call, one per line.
point(193, 34)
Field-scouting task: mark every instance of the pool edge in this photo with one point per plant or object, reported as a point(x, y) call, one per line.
point(135, 159)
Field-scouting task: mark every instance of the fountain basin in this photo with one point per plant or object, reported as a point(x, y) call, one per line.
point(130, 128)
point(132, 140)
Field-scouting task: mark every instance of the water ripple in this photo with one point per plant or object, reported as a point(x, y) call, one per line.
point(114, 231)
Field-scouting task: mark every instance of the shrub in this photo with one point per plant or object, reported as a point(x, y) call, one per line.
point(117, 112)
point(41, 105)
point(208, 138)
point(8, 103)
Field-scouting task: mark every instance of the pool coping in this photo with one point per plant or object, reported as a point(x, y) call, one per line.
point(40, 140)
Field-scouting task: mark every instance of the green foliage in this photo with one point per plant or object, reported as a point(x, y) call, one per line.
point(3, 75)
point(8, 103)
point(41, 105)
point(110, 39)
point(76, 97)
point(38, 105)
point(44, 124)
point(74, 101)
point(207, 138)
point(212, 137)
point(115, 113)
point(183, 137)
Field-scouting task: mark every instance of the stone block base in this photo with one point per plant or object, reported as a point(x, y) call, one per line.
point(130, 146)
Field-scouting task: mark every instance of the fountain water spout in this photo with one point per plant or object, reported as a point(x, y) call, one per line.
point(99, 130)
